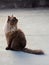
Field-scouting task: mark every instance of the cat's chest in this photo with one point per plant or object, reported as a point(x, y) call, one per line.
point(8, 28)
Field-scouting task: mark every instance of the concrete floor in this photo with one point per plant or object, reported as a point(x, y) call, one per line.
point(35, 24)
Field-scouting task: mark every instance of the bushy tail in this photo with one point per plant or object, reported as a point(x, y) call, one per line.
point(38, 52)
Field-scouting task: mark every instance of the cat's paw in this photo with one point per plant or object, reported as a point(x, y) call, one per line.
point(7, 48)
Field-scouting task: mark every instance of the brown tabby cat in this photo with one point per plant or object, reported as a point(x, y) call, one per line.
point(16, 38)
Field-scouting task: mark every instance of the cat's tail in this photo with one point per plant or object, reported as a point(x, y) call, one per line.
point(38, 52)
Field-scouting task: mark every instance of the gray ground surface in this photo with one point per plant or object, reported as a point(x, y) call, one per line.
point(35, 24)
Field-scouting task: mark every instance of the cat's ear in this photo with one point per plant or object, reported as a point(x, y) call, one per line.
point(9, 18)
point(15, 19)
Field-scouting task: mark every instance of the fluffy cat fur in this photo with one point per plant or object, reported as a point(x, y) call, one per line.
point(16, 38)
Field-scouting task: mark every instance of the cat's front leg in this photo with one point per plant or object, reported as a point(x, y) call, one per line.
point(9, 44)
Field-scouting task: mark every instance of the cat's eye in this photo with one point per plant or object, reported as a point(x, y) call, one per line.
point(13, 20)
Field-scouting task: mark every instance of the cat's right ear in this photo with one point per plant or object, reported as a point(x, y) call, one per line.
point(8, 18)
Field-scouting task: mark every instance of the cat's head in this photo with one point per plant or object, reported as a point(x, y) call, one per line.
point(12, 20)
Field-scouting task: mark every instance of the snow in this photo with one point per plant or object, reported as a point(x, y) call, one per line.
point(35, 25)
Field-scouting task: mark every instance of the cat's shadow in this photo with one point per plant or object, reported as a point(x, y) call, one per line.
point(20, 54)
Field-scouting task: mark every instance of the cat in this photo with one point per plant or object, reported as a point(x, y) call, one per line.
point(15, 37)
